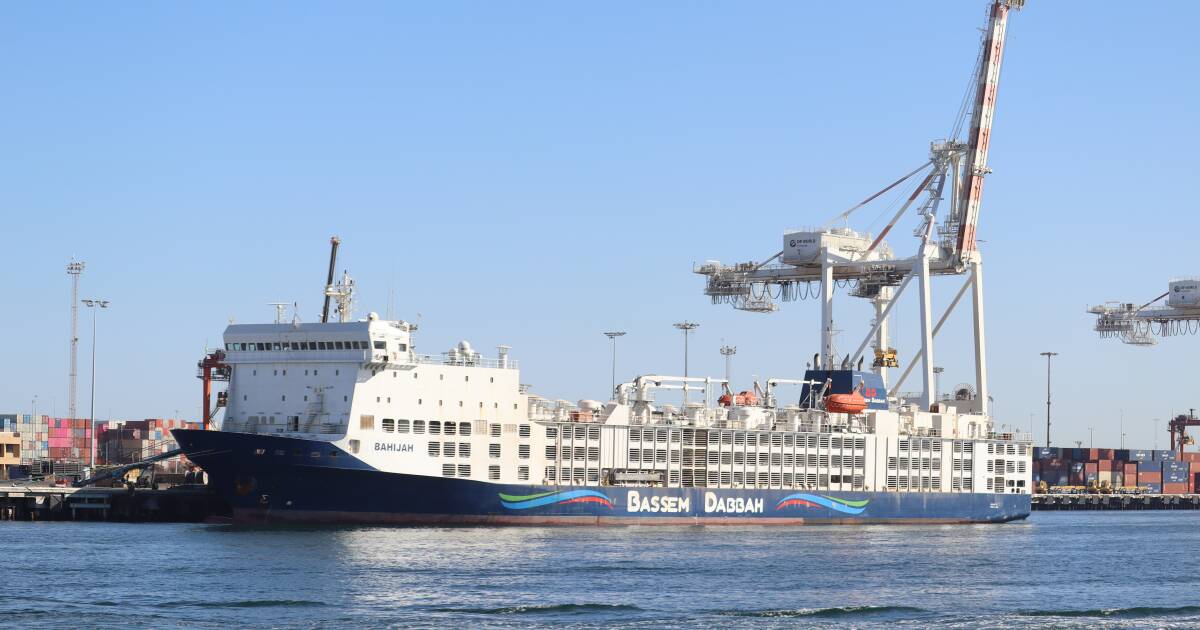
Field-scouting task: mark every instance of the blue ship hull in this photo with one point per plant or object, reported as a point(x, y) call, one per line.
point(278, 479)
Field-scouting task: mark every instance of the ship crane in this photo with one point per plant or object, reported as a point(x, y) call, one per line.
point(1140, 325)
point(813, 262)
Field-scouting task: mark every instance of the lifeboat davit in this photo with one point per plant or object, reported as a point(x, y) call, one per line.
point(845, 403)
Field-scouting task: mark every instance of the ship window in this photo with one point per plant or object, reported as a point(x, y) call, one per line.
point(388, 425)
point(464, 449)
point(550, 473)
point(353, 446)
point(448, 449)
point(435, 448)
point(447, 470)
point(464, 470)
point(435, 427)
point(494, 430)
point(337, 345)
point(402, 347)
point(315, 454)
point(523, 473)
point(381, 345)
point(449, 429)
point(464, 428)
point(523, 431)
point(523, 451)
point(494, 473)
point(366, 422)
point(402, 426)
point(418, 426)
point(551, 433)
point(494, 450)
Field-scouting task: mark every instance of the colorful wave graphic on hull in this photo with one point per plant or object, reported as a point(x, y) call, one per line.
point(524, 502)
point(844, 506)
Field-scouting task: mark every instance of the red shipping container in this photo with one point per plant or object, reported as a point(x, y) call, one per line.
point(1175, 488)
point(1193, 457)
point(1131, 471)
point(1149, 477)
point(1092, 468)
point(1106, 465)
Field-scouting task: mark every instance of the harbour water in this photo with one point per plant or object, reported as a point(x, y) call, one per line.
point(1105, 569)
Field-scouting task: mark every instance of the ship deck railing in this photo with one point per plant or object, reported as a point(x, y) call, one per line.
point(484, 362)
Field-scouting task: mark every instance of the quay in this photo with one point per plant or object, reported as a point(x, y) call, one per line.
point(1097, 501)
point(178, 504)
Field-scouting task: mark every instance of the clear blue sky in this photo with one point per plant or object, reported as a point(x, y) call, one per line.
point(537, 173)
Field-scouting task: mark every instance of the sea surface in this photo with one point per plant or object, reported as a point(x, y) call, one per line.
point(1082, 570)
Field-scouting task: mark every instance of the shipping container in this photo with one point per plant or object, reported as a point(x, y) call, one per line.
point(1149, 477)
point(1155, 488)
point(1175, 488)
point(1164, 456)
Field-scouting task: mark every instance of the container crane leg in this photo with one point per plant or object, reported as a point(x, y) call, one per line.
point(926, 333)
point(886, 297)
point(936, 329)
point(981, 379)
point(827, 358)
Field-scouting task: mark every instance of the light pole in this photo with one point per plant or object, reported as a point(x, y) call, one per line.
point(687, 327)
point(1156, 433)
point(95, 305)
point(1091, 437)
point(1048, 355)
point(613, 337)
point(728, 352)
point(1122, 429)
point(937, 381)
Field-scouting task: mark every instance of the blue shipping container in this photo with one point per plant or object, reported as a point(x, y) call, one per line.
point(1154, 487)
point(1164, 456)
point(1141, 456)
point(1048, 452)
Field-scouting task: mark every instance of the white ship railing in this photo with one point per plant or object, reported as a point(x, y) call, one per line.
point(484, 362)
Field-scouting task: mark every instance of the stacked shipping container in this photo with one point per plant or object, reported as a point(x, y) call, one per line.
point(1154, 471)
point(135, 440)
point(68, 440)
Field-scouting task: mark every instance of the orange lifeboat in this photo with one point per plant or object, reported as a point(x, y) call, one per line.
point(742, 399)
point(846, 403)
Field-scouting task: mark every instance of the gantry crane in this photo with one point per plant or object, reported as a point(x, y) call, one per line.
point(1139, 325)
point(813, 262)
point(1178, 428)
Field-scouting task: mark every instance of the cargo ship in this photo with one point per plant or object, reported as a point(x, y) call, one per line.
point(344, 421)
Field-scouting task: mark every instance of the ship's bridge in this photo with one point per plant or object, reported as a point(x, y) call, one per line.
point(371, 341)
